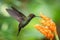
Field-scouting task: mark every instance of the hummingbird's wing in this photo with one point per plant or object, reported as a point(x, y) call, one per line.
point(16, 14)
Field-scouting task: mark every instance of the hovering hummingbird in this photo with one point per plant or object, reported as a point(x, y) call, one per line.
point(22, 19)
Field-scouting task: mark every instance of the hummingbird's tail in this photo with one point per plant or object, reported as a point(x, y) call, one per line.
point(19, 29)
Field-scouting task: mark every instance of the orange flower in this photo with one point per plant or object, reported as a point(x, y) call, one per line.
point(45, 31)
point(47, 27)
point(48, 22)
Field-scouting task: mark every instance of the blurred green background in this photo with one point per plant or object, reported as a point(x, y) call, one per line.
point(9, 25)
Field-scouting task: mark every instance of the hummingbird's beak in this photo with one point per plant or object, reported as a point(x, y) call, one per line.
point(38, 16)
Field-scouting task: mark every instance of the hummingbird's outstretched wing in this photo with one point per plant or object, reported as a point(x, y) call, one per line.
point(16, 14)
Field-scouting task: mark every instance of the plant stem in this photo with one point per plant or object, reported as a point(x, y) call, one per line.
point(56, 36)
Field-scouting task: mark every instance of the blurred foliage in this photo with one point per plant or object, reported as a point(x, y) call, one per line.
point(9, 25)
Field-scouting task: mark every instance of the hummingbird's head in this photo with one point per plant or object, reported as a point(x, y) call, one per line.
point(32, 15)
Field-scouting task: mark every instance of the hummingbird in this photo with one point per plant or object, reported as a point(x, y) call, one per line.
point(20, 17)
